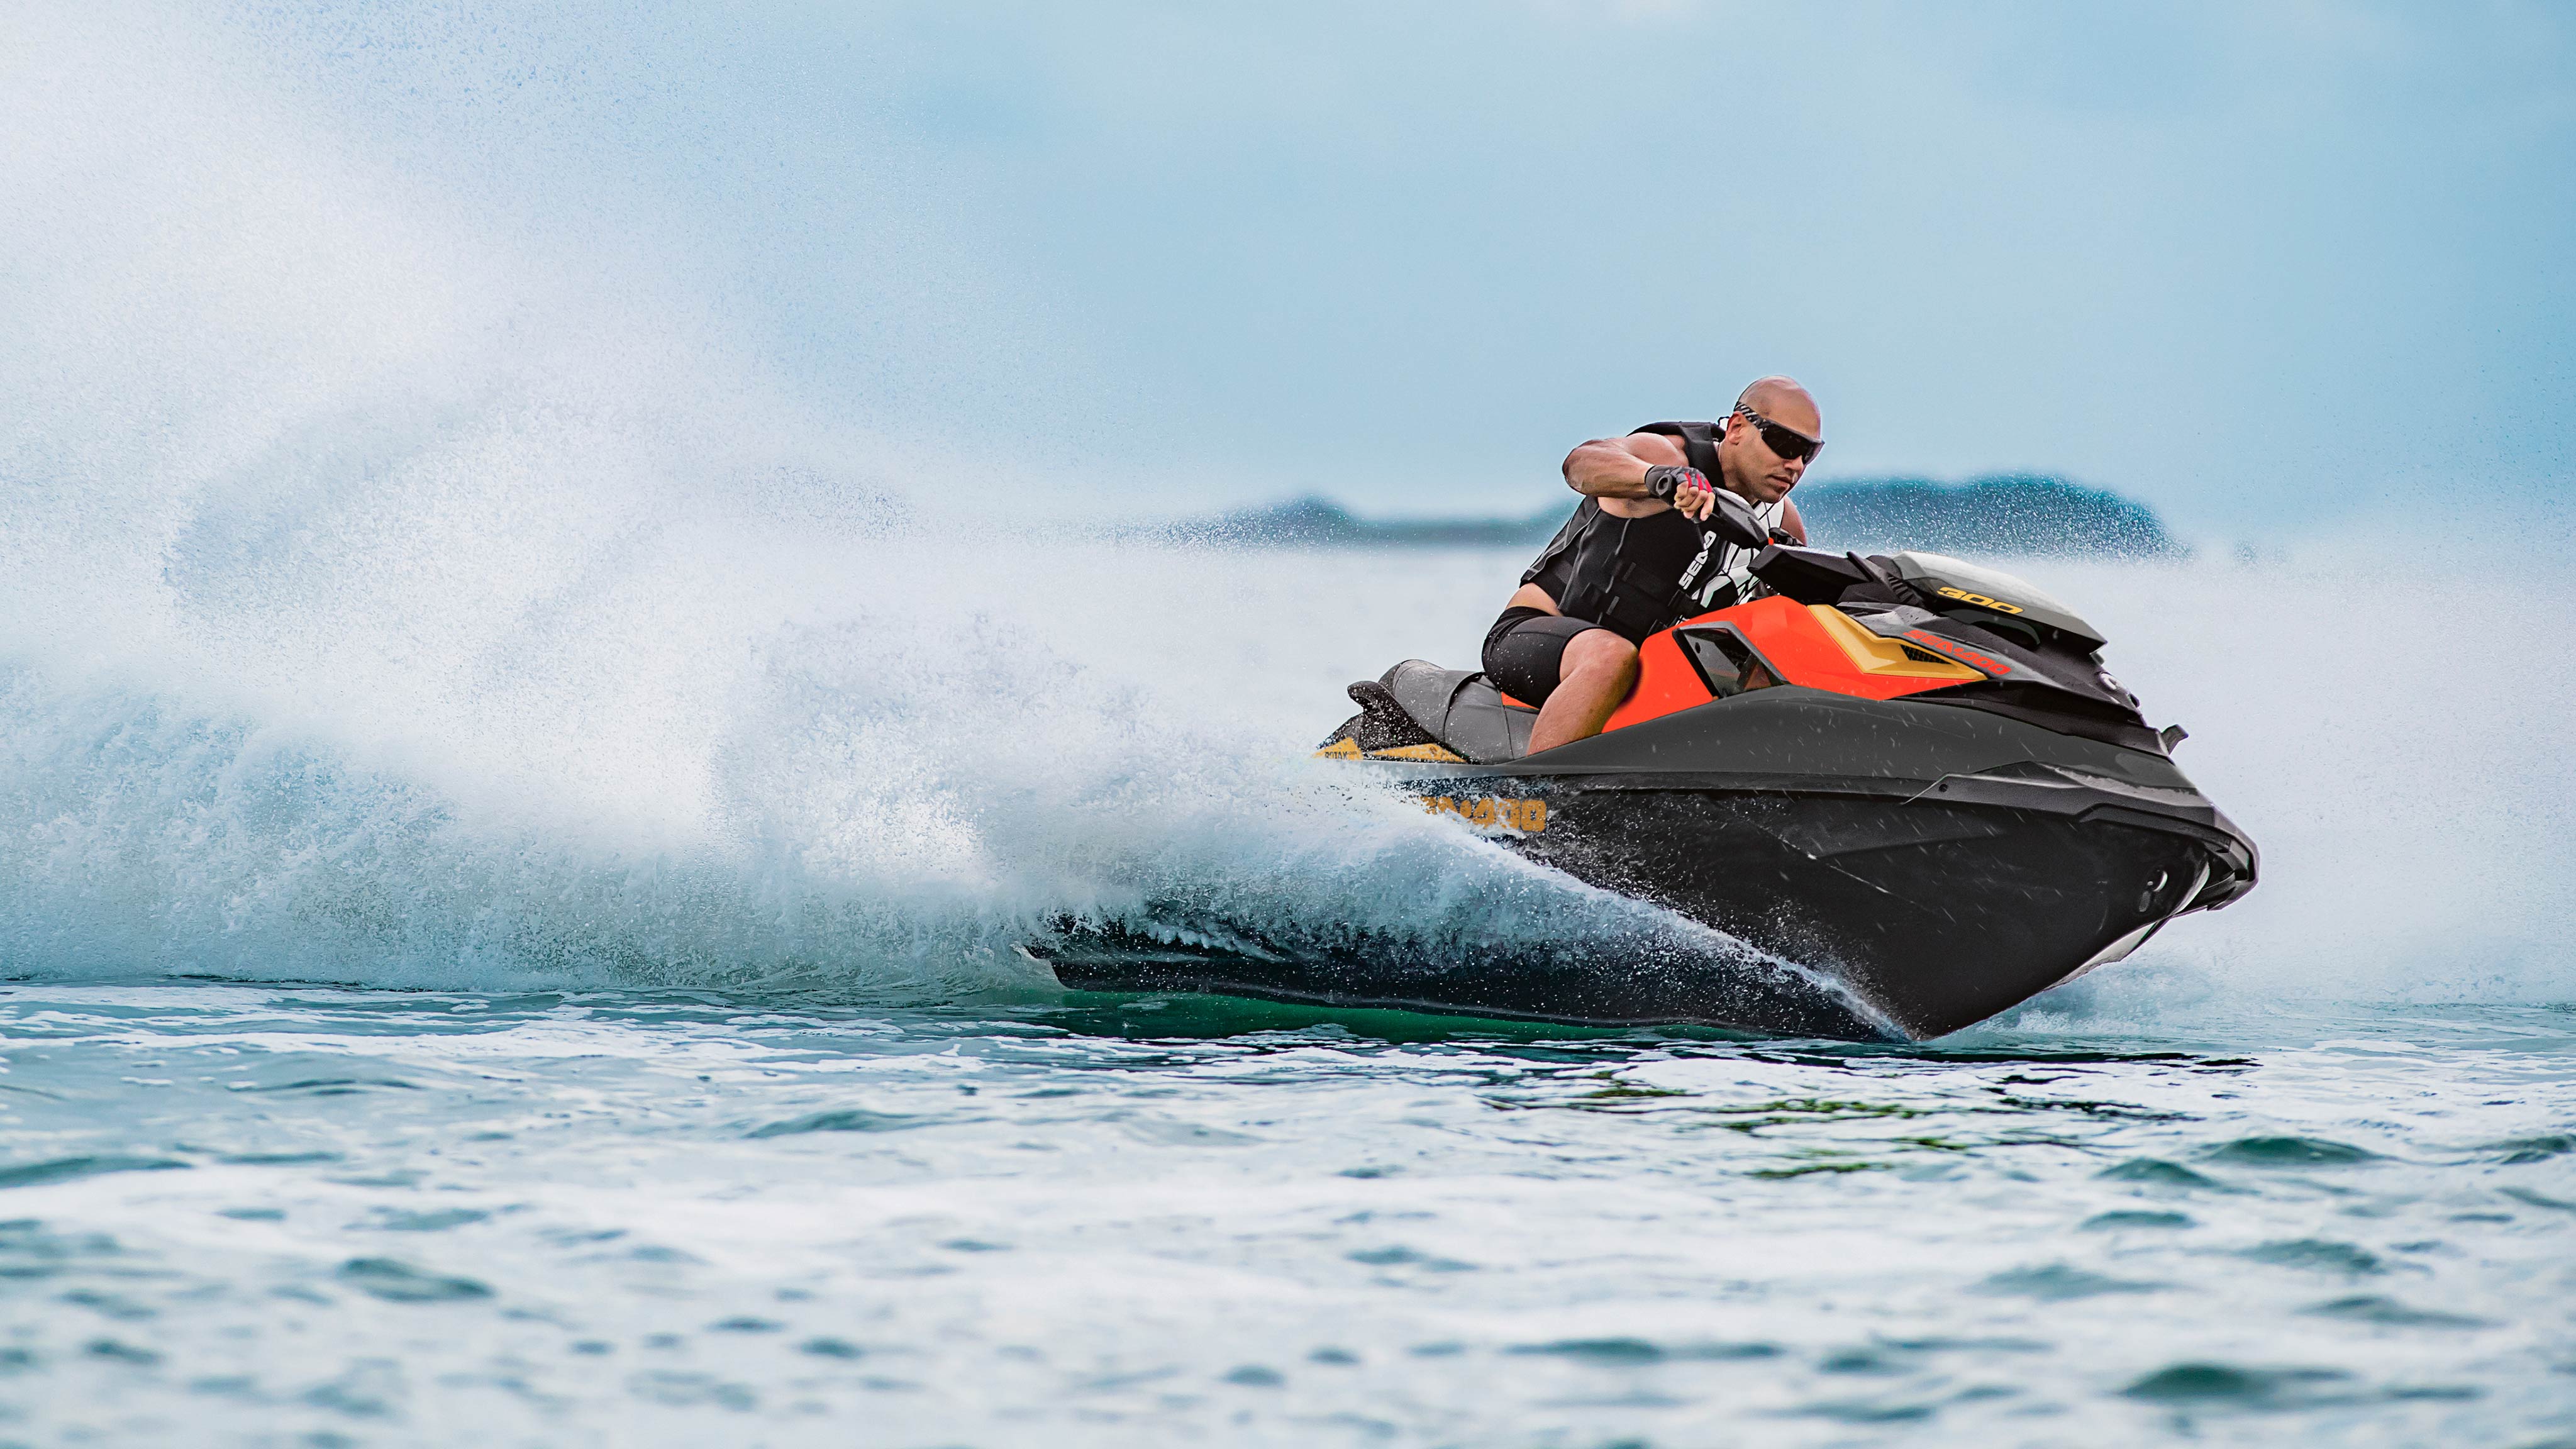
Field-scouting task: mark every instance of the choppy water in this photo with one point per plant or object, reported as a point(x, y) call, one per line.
point(277, 1215)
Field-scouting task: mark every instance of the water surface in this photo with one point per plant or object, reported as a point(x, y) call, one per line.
point(248, 1214)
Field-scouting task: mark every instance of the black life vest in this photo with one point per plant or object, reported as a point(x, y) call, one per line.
point(1634, 576)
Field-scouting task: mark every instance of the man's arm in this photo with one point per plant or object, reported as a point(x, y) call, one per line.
point(1791, 523)
point(1617, 468)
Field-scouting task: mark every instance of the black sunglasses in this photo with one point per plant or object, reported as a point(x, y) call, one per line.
point(1789, 443)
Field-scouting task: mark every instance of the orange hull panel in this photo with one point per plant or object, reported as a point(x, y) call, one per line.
point(1800, 645)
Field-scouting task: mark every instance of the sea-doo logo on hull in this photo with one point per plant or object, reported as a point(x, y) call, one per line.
point(1491, 811)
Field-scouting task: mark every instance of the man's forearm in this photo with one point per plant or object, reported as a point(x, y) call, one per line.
point(1605, 470)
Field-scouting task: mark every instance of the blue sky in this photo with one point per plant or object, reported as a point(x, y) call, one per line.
point(2259, 265)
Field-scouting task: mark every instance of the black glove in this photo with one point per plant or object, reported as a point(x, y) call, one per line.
point(1666, 479)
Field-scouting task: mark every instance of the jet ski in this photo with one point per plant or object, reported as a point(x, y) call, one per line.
point(1909, 775)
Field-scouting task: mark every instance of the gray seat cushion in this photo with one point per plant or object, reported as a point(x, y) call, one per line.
point(1461, 709)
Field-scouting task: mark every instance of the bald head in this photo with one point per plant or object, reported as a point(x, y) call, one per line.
point(1783, 401)
point(1753, 469)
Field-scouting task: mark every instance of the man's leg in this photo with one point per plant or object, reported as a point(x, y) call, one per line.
point(1596, 673)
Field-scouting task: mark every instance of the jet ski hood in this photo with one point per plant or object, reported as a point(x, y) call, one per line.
point(1962, 582)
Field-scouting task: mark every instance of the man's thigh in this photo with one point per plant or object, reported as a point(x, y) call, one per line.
point(1528, 661)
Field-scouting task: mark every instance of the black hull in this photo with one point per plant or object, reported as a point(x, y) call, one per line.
point(1939, 864)
point(1937, 915)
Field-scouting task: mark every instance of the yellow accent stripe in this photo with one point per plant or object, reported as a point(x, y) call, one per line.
point(1872, 655)
point(1348, 749)
point(1437, 754)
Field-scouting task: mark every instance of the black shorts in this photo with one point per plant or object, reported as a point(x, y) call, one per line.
point(1525, 650)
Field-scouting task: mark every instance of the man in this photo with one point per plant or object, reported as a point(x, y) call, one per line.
point(1635, 558)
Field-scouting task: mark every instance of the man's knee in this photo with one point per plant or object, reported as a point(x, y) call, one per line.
point(1598, 651)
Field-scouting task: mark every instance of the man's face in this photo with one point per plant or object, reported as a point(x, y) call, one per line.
point(1753, 469)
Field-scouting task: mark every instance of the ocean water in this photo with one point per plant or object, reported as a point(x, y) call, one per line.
point(516, 826)
point(293, 1215)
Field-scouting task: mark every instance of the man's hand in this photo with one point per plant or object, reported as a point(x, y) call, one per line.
point(1686, 489)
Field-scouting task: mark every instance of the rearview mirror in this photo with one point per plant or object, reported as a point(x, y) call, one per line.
point(1733, 521)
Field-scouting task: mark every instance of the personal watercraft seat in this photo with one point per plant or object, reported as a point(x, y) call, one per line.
point(1418, 710)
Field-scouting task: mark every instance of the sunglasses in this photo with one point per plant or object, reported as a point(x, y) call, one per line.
point(1792, 446)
